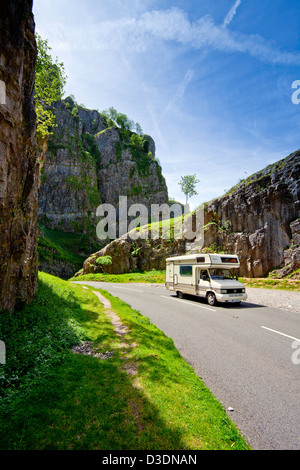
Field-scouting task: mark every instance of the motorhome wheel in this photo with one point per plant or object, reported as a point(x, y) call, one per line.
point(211, 298)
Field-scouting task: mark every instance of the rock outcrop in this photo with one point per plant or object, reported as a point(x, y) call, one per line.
point(128, 256)
point(258, 220)
point(69, 194)
point(129, 171)
point(88, 164)
point(19, 170)
point(254, 220)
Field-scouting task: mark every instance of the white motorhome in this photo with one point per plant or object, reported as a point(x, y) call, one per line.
point(212, 276)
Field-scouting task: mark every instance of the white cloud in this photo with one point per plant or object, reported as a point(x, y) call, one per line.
point(231, 14)
point(140, 33)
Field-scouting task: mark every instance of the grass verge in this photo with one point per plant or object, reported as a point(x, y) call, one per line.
point(266, 283)
point(160, 276)
point(52, 398)
point(153, 276)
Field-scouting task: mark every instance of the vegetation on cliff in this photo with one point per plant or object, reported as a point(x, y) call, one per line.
point(50, 80)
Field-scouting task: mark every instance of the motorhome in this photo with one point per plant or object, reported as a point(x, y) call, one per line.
point(212, 276)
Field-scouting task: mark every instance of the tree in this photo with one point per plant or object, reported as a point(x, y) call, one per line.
point(124, 122)
point(188, 184)
point(113, 117)
point(50, 80)
point(138, 129)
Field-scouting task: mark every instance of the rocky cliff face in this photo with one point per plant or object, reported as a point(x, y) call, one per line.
point(129, 171)
point(255, 220)
point(258, 220)
point(89, 163)
point(19, 170)
point(69, 192)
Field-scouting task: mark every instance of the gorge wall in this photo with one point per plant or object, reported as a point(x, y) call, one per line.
point(19, 169)
point(69, 192)
point(258, 220)
point(87, 164)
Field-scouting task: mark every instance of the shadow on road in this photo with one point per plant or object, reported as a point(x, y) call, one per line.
point(203, 301)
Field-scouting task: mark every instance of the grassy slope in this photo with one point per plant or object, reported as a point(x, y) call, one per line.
point(52, 398)
point(147, 276)
point(66, 247)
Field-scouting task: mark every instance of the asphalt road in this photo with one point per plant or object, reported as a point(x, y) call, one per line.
point(247, 355)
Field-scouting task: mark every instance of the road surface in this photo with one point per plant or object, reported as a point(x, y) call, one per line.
point(247, 355)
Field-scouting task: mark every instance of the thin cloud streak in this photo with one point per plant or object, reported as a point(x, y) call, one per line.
point(179, 92)
point(173, 25)
point(231, 14)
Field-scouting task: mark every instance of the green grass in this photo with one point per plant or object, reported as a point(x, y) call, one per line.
point(52, 398)
point(145, 276)
point(266, 283)
point(66, 247)
point(159, 277)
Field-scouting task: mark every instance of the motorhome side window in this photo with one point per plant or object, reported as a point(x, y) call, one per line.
point(186, 270)
point(204, 274)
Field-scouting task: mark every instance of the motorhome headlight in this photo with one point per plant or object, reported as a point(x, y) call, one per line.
point(223, 291)
point(243, 290)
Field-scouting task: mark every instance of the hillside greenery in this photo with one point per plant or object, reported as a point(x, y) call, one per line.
point(67, 247)
point(50, 80)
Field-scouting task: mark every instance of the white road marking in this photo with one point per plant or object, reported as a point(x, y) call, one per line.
point(279, 333)
point(189, 303)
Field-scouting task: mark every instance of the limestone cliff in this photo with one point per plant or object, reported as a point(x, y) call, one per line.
point(255, 220)
point(19, 170)
point(89, 163)
point(258, 220)
point(128, 170)
point(69, 192)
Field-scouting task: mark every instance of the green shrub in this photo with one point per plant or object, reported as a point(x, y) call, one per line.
point(104, 260)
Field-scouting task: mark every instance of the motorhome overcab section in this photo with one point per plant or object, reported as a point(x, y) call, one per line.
point(212, 276)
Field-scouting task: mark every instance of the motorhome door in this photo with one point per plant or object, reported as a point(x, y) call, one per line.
point(171, 273)
point(202, 281)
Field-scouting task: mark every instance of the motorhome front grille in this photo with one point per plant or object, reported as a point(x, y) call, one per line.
point(235, 291)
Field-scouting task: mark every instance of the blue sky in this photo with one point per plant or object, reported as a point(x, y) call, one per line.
point(209, 80)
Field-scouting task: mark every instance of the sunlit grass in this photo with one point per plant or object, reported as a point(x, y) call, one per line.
point(146, 276)
point(53, 398)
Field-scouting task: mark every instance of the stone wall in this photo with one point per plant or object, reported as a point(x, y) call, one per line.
point(19, 170)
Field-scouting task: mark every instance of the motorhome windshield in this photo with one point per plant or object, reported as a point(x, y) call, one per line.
point(222, 274)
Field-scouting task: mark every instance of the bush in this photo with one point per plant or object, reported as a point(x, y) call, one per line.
point(104, 260)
